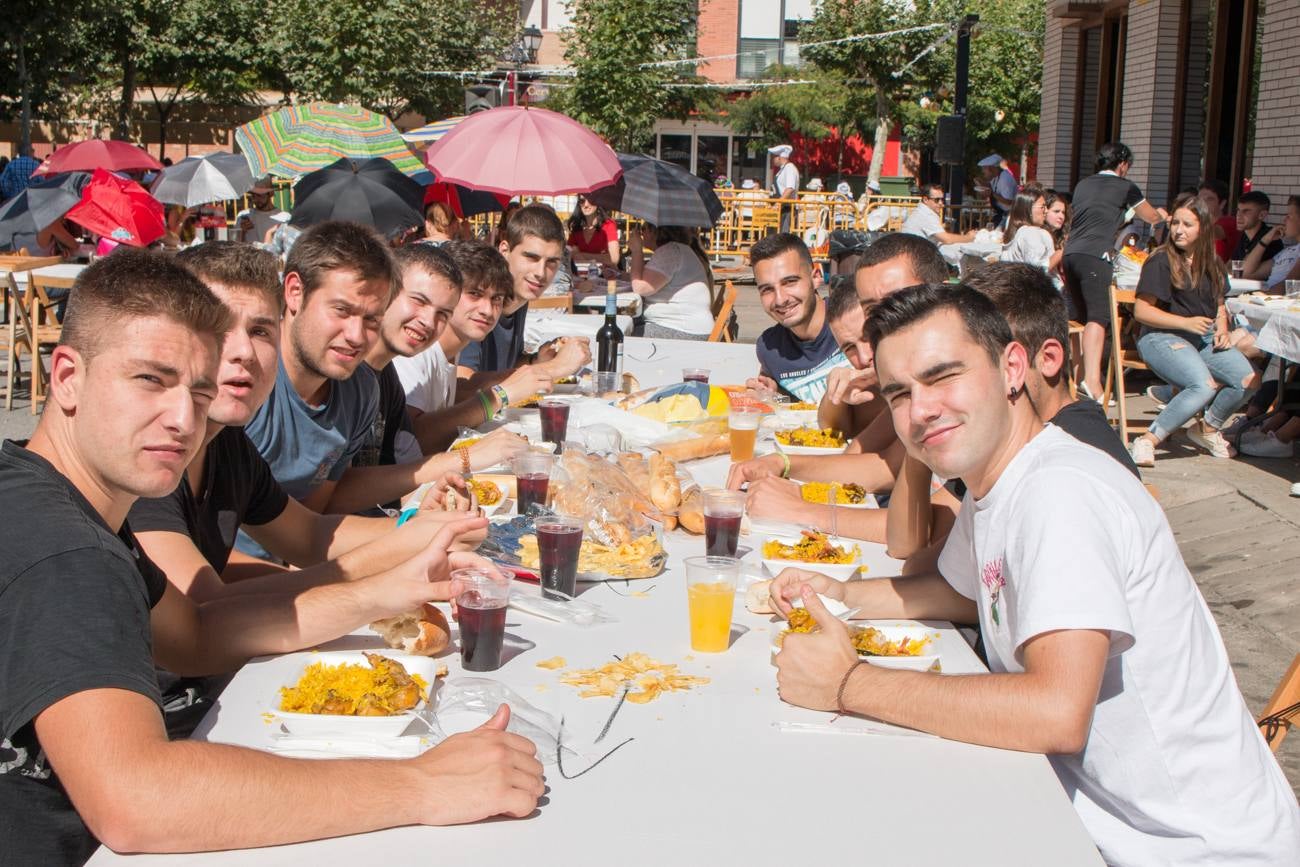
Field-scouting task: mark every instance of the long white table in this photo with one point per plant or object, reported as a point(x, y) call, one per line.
point(1277, 323)
point(723, 774)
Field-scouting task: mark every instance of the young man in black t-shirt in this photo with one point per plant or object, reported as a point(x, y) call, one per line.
point(191, 531)
point(85, 615)
point(1034, 309)
point(799, 351)
point(1252, 226)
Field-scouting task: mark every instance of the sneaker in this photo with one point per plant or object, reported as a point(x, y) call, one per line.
point(1266, 446)
point(1087, 392)
point(1143, 452)
point(1160, 395)
point(1295, 489)
point(1212, 441)
point(1252, 435)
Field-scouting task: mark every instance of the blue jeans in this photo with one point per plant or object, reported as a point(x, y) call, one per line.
point(1206, 379)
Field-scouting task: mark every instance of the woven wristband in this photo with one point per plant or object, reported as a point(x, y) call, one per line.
point(839, 694)
point(464, 460)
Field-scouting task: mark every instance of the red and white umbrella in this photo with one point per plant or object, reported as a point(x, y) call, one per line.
point(518, 150)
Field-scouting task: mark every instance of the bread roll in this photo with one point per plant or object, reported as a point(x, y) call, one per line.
point(691, 512)
point(424, 632)
point(758, 598)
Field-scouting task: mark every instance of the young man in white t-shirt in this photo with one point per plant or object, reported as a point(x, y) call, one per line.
point(439, 397)
point(1103, 653)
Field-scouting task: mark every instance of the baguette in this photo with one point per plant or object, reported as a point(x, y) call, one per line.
point(665, 489)
point(696, 447)
point(758, 599)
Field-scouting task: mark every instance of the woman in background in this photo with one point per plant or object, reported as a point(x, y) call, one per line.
point(593, 236)
point(1186, 338)
point(676, 284)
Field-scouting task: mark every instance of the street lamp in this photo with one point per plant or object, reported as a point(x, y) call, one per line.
point(522, 52)
point(531, 41)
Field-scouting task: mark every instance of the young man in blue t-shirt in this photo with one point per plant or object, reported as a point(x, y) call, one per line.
point(797, 353)
point(338, 281)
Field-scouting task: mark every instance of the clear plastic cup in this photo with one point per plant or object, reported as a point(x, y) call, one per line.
point(723, 510)
point(743, 422)
point(481, 601)
point(695, 374)
point(710, 596)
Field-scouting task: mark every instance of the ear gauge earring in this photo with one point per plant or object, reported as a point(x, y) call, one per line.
point(1012, 393)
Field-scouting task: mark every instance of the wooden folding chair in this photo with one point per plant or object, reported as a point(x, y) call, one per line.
point(1122, 357)
point(553, 302)
point(43, 329)
point(721, 333)
point(1282, 708)
point(15, 338)
point(1075, 337)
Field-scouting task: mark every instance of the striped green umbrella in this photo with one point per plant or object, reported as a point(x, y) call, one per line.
point(430, 133)
point(303, 138)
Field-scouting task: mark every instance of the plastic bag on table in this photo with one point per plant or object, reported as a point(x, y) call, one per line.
point(571, 610)
point(481, 695)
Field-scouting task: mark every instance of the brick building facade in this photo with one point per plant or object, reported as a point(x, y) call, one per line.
point(1173, 80)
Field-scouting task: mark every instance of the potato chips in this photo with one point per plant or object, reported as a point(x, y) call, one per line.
point(646, 677)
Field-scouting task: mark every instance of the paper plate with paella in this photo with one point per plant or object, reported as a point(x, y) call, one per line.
point(810, 441)
point(900, 644)
point(354, 694)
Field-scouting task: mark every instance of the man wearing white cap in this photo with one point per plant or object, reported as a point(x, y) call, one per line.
point(257, 221)
point(786, 183)
point(1002, 184)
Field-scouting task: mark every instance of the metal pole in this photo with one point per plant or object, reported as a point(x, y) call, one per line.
point(958, 173)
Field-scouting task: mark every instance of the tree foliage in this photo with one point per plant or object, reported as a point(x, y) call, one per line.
point(878, 64)
point(606, 43)
point(378, 53)
point(868, 86)
point(815, 110)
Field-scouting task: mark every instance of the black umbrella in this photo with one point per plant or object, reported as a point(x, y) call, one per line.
point(371, 191)
point(660, 193)
point(44, 202)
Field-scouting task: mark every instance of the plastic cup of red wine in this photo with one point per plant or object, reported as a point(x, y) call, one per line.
point(722, 513)
point(555, 421)
point(695, 374)
point(532, 479)
point(481, 601)
point(559, 540)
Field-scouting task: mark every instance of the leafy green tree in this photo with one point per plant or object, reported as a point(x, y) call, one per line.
point(1006, 76)
point(45, 58)
point(878, 64)
point(826, 105)
point(378, 53)
point(607, 43)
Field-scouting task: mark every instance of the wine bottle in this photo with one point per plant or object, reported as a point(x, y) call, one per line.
point(609, 339)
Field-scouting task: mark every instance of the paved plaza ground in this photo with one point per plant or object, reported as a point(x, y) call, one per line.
point(1235, 520)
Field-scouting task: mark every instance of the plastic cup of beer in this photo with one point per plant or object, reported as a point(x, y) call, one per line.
point(710, 596)
point(743, 422)
point(481, 612)
point(723, 510)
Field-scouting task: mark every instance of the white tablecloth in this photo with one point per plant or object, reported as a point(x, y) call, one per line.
point(1277, 323)
point(67, 271)
point(723, 774)
point(547, 324)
